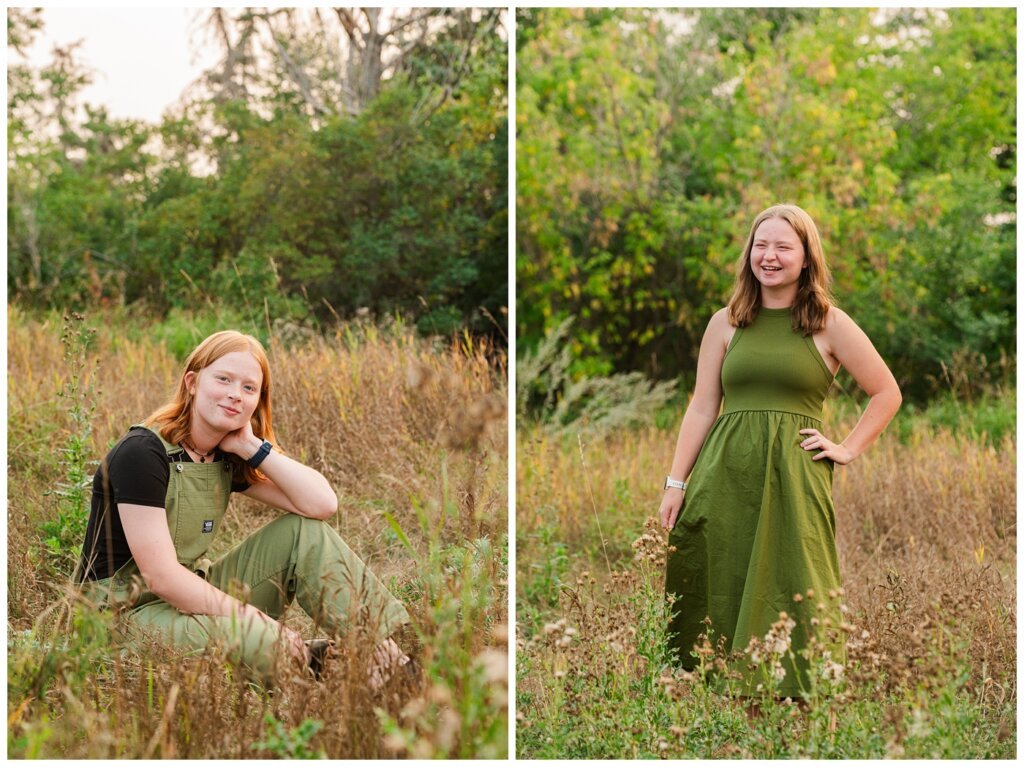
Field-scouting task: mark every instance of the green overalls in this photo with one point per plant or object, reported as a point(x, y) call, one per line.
point(292, 557)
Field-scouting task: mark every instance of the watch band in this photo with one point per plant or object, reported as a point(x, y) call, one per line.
point(676, 483)
point(261, 454)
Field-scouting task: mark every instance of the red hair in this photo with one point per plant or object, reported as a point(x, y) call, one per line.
point(174, 419)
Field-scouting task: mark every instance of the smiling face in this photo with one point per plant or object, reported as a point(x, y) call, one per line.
point(777, 257)
point(225, 393)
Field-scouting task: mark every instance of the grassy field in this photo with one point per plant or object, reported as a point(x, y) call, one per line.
point(411, 434)
point(927, 539)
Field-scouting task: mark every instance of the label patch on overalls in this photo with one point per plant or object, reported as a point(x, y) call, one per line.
point(207, 525)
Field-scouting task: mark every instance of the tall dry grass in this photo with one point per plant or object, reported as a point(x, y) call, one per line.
point(411, 434)
point(927, 540)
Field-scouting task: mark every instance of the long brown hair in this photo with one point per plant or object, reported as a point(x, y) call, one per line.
point(813, 297)
point(174, 420)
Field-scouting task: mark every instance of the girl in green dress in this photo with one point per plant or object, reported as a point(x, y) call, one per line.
point(749, 496)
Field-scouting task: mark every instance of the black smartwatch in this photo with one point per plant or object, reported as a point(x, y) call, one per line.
point(261, 454)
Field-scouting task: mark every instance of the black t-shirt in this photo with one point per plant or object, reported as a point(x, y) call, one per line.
point(136, 470)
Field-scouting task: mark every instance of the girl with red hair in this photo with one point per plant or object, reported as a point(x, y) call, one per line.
point(160, 496)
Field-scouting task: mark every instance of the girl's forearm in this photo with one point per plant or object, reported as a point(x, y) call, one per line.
point(692, 433)
point(306, 488)
point(187, 592)
point(877, 415)
point(183, 589)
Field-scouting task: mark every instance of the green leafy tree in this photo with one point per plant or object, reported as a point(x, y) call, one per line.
point(649, 140)
point(285, 183)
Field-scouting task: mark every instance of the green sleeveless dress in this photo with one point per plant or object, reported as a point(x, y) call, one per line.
point(757, 525)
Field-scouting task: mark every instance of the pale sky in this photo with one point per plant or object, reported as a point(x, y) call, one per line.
point(141, 58)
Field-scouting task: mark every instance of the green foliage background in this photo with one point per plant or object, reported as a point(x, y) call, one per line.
point(647, 141)
point(248, 200)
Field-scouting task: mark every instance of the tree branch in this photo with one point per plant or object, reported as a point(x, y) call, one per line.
point(296, 74)
point(350, 25)
point(426, 14)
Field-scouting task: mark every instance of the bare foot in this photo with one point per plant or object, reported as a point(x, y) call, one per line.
point(387, 659)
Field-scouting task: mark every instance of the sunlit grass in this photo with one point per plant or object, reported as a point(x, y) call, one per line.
point(926, 535)
point(410, 433)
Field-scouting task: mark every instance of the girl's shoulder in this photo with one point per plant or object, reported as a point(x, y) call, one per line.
point(137, 446)
point(837, 319)
point(720, 328)
point(841, 331)
point(720, 318)
point(140, 437)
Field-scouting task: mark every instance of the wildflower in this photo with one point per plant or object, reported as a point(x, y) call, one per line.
point(447, 729)
point(778, 671)
point(552, 628)
point(832, 671)
point(919, 727)
point(414, 709)
point(394, 742)
point(704, 649)
point(778, 639)
point(495, 665)
point(440, 694)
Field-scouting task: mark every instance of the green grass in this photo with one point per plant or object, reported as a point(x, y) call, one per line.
point(927, 542)
point(609, 691)
point(345, 403)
